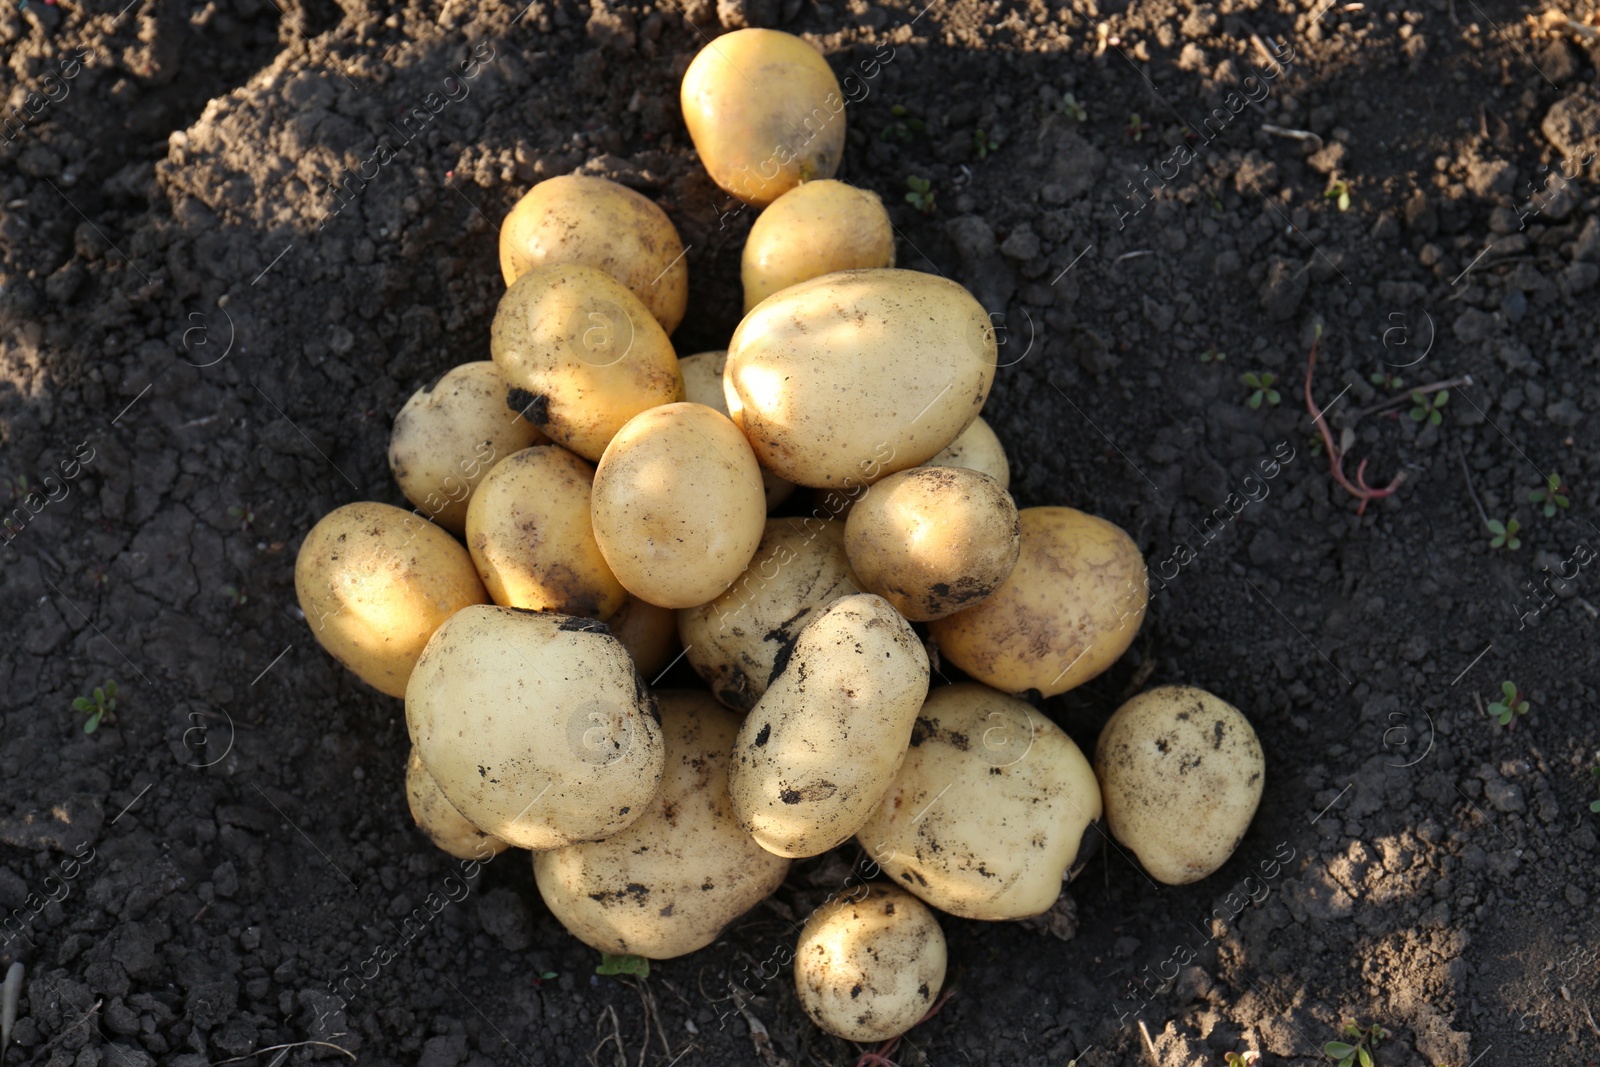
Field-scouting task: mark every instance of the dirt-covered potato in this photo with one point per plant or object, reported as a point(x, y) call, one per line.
point(1182, 772)
point(764, 111)
point(814, 229)
point(932, 540)
point(582, 354)
point(374, 582)
point(435, 816)
point(991, 810)
point(594, 222)
point(1071, 606)
point(670, 883)
point(870, 964)
point(821, 746)
point(678, 506)
point(449, 434)
point(702, 384)
point(529, 533)
point(649, 633)
point(977, 449)
point(852, 376)
point(535, 726)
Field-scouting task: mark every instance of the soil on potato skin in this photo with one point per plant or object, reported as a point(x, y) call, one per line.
point(204, 348)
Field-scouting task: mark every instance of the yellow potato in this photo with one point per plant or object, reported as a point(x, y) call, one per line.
point(670, 883)
point(585, 354)
point(435, 816)
point(649, 633)
point(814, 229)
point(1070, 608)
point(374, 582)
point(764, 111)
point(594, 222)
point(702, 384)
point(678, 507)
point(977, 449)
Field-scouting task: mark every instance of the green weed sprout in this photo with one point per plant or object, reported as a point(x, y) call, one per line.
point(1074, 110)
point(637, 966)
point(1505, 534)
point(1212, 355)
point(1137, 127)
point(1262, 386)
point(100, 706)
point(1385, 379)
point(1511, 704)
point(1428, 409)
point(1339, 192)
point(1552, 496)
point(1366, 1039)
point(921, 194)
point(904, 127)
point(982, 145)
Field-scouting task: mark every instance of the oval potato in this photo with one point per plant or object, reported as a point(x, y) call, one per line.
point(814, 229)
point(977, 449)
point(435, 816)
point(702, 384)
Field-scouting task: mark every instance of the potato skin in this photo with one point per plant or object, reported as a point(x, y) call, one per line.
point(870, 965)
point(1070, 608)
point(435, 816)
point(979, 449)
point(991, 810)
point(678, 506)
point(814, 229)
point(702, 384)
point(847, 378)
point(585, 354)
point(764, 111)
point(530, 536)
point(1182, 772)
point(821, 746)
point(595, 222)
point(649, 633)
point(535, 726)
point(374, 583)
point(670, 883)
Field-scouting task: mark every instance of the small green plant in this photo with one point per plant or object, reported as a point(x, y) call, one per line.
point(244, 514)
point(1261, 388)
point(1366, 1039)
point(1074, 110)
point(1552, 496)
point(904, 128)
point(1385, 379)
point(1339, 192)
point(542, 977)
point(1241, 1059)
point(921, 194)
point(637, 966)
point(1428, 409)
point(1510, 705)
point(1137, 127)
point(1505, 534)
point(100, 706)
point(237, 596)
point(1594, 805)
point(1212, 355)
point(982, 145)
point(17, 487)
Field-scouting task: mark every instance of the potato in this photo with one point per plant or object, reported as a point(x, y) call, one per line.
point(583, 355)
point(649, 633)
point(734, 642)
point(852, 376)
point(594, 222)
point(374, 582)
point(992, 809)
point(529, 533)
point(536, 726)
point(869, 965)
point(702, 384)
point(435, 816)
point(1071, 606)
point(678, 507)
point(1182, 774)
point(932, 540)
point(976, 449)
point(814, 229)
point(821, 746)
point(764, 111)
point(671, 882)
point(449, 434)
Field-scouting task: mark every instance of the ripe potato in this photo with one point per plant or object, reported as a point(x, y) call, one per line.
point(702, 384)
point(435, 816)
point(536, 726)
point(992, 809)
point(977, 449)
point(870, 965)
point(529, 533)
point(1071, 606)
point(583, 355)
point(764, 111)
point(821, 746)
point(374, 582)
point(449, 434)
point(649, 633)
point(678, 506)
point(1182, 773)
point(814, 229)
point(852, 376)
point(932, 540)
point(594, 222)
point(671, 882)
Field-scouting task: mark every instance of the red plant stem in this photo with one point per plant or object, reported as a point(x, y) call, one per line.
point(1360, 489)
point(879, 1057)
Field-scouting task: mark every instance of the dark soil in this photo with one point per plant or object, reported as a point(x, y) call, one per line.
point(203, 355)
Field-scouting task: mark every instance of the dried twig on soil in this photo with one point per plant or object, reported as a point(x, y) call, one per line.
point(1294, 135)
point(1359, 489)
point(614, 1037)
point(1467, 474)
point(879, 1057)
point(280, 1048)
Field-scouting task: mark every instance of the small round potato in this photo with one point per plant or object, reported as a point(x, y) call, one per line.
point(582, 354)
point(594, 222)
point(1182, 772)
point(933, 540)
point(374, 582)
point(977, 449)
point(1070, 608)
point(870, 964)
point(670, 883)
point(992, 809)
point(535, 726)
point(678, 507)
point(814, 229)
point(529, 533)
point(702, 384)
point(435, 816)
point(764, 111)
point(649, 633)
point(449, 434)
point(852, 376)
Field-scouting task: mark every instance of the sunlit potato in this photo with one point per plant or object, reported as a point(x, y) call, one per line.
point(814, 229)
point(436, 817)
point(977, 449)
point(702, 384)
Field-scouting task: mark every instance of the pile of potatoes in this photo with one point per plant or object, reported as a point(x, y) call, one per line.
point(805, 514)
